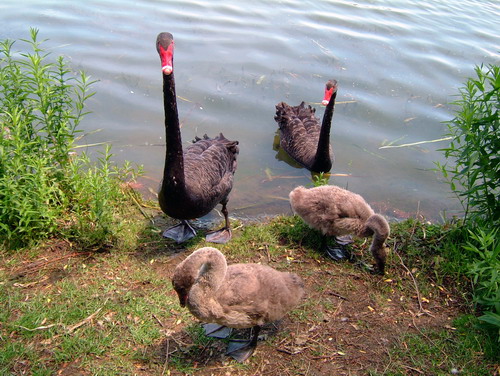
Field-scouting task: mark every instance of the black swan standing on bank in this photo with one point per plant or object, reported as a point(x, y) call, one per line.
point(200, 177)
point(301, 135)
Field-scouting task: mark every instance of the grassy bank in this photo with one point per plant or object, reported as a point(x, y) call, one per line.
point(67, 310)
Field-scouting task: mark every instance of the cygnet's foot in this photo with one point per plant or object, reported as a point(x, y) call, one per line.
point(240, 350)
point(338, 252)
point(377, 269)
point(368, 267)
point(216, 330)
point(180, 233)
point(372, 269)
point(221, 236)
point(344, 239)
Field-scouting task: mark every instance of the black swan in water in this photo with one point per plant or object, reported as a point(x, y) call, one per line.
point(235, 296)
point(200, 177)
point(335, 211)
point(301, 135)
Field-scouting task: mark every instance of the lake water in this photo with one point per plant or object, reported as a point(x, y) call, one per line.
point(398, 64)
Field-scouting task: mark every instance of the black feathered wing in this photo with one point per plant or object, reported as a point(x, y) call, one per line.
point(299, 132)
point(209, 167)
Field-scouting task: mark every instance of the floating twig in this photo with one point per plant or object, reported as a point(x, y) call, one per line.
point(277, 197)
point(414, 143)
point(90, 145)
point(336, 102)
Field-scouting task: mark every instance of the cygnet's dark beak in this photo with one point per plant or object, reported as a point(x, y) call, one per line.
point(183, 299)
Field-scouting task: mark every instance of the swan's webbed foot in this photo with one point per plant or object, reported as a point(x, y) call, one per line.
point(344, 239)
point(340, 251)
point(221, 236)
point(241, 350)
point(376, 269)
point(368, 267)
point(337, 253)
point(180, 233)
point(217, 331)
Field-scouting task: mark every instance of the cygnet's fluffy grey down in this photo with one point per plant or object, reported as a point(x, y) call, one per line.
point(335, 211)
point(236, 296)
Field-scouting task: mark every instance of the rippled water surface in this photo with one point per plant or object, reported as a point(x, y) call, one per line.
point(398, 64)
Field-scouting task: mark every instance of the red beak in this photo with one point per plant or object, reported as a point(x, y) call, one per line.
point(328, 96)
point(167, 58)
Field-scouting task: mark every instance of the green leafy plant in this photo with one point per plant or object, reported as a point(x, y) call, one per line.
point(46, 188)
point(96, 192)
point(474, 173)
point(320, 179)
point(485, 273)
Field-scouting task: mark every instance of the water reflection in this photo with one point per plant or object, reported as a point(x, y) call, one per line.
point(281, 154)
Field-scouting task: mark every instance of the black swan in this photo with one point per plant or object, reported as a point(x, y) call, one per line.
point(235, 296)
point(200, 177)
point(335, 211)
point(301, 135)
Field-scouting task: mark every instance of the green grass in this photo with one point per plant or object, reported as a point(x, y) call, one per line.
point(442, 352)
point(121, 315)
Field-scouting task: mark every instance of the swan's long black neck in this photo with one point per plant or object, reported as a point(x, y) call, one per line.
point(173, 172)
point(323, 160)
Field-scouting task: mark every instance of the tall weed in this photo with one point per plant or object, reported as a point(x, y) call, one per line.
point(474, 151)
point(473, 171)
point(45, 187)
point(484, 269)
